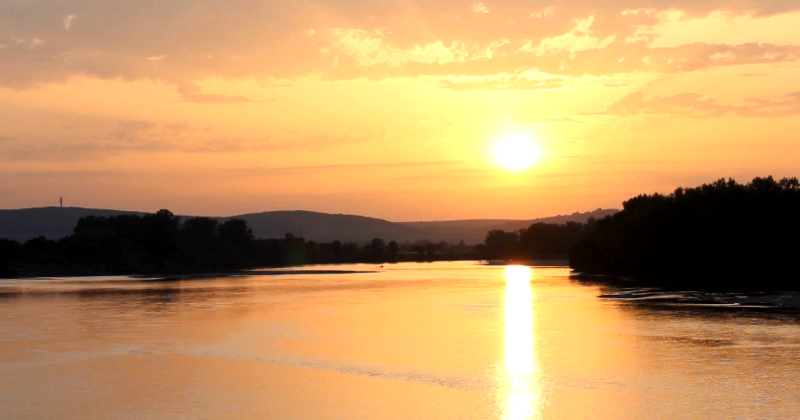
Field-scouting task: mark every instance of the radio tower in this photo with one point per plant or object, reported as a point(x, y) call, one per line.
point(60, 201)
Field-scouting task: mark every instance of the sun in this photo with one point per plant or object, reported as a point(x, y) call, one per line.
point(517, 152)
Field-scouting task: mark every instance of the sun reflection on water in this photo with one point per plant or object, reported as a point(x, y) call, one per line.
point(521, 394)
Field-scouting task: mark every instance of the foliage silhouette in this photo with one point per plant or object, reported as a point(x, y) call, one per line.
point(538, 241)
point(163, 243)
point(722, 236)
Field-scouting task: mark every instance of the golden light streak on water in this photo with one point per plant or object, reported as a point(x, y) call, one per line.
point(522, 393)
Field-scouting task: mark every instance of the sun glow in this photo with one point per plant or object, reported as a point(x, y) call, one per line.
point(517, 152)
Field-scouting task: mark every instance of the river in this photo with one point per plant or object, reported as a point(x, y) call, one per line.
point(456, 340)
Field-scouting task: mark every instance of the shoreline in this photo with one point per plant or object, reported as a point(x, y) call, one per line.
point(257, 272)
point(789, 300)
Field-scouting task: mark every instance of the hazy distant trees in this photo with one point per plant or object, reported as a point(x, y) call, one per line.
point(722, 235)
point(235, 244)
point(375, 249)
point(198, 241)
point(500, 244)
point(538, 241)
point(10, 252)
point(393, 248)
point(163, 242)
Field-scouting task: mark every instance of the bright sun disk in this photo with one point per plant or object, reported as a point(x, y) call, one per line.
point(517, 152)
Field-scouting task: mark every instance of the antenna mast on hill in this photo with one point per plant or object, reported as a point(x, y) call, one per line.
point(60, 201)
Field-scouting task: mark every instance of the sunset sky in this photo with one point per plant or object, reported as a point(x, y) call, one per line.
point(391, 109)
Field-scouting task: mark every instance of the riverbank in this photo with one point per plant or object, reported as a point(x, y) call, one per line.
point(754, 300)
point(44, 271)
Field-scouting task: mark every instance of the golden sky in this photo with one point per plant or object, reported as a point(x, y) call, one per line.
point(390, 108)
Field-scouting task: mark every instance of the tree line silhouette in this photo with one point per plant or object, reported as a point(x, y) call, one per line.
point(163, 243)
point(718, 236)
point(537, 242)
point(722, 236)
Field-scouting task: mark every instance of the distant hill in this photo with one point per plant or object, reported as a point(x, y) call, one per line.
point(56, 222)
point(326, 227)
point(52, 222)
point(474, 231)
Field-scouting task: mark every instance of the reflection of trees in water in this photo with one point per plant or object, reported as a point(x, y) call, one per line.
point(130, 315)
point(735, 315)
point(147, 309)
point(161, 298)
point(8, 295)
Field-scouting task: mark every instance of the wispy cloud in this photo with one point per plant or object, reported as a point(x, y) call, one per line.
point(126, 136)
point(343, 166)
point(480, 8)
point(68, 21)
point(192, 93)
point(699, 106)
point(151, 137)
point(547, 120)
point(499, 84)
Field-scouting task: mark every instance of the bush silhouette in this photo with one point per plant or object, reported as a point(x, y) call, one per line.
point(722, 235)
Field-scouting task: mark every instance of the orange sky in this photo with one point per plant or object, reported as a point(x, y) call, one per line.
point(390, 108)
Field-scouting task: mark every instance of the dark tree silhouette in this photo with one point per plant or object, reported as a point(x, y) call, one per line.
point(393, 248)
point(538, 241)
point(723, 235)
point(500, 244)
point(375, 249)
point(163, 243)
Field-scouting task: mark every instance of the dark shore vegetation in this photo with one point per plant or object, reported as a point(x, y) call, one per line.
point(165, 244)
point(540, 241)
point(721, 236)
point(718, 236)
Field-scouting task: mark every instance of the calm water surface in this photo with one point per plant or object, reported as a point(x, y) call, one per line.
point(413, 341)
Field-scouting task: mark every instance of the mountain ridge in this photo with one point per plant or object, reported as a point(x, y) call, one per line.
point(57, 222)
